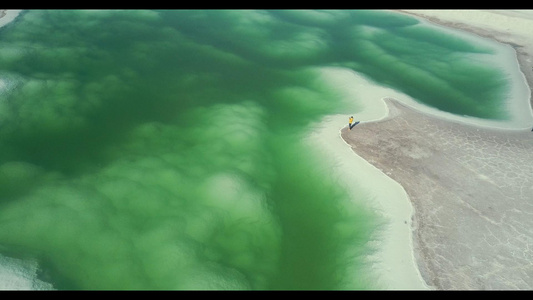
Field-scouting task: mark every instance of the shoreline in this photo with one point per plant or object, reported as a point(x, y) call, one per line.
point(18, 274)
point(470, 189)
point(462, 198)
point(519, 94)
point(393, 250)
point(504, 28)
point(8, 15)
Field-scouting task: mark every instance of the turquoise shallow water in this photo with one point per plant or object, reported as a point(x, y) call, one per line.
point(162, 149)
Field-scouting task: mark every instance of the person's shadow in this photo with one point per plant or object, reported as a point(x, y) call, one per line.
point(353, 125)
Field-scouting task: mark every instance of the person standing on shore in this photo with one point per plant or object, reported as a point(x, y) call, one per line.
point(350, 123)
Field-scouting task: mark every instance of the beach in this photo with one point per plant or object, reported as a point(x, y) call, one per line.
point(470, 185)
point(7, 15)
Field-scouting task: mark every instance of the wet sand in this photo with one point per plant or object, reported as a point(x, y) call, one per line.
point(7, 16)
point(471, 187)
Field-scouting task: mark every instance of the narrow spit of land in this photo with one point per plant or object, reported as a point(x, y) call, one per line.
point(471, 189)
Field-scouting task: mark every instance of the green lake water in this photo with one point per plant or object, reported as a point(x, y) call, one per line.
point(163, 149)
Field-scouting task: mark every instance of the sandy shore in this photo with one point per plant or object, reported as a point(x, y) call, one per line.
point(8, 15)
point(392, 266)
point(471, 189)
point(470, 186)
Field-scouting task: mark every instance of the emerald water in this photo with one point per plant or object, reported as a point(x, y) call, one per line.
point(163, 149)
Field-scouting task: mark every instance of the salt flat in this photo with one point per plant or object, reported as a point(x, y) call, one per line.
point(471, 189)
